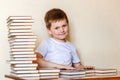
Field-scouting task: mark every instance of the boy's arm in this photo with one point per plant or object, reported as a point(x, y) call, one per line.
point(44, 63)
point(79, 66)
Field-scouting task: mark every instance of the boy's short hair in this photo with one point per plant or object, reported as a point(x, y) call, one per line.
point(54, 14)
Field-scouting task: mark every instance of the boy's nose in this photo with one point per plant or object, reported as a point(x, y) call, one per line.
point(62, 29)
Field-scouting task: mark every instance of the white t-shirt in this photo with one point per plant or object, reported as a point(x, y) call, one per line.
point(58, 52)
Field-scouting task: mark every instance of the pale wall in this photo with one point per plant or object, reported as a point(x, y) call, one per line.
point(94, 24)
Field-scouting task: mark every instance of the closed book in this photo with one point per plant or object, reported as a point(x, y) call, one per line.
point(49, 77)
point(24, 58)
point(25, 71)
point(22, 52)
point(23, 55)
point(19, 62)
point(26, 74)
point(49, 74)
point(72, 72)
point(19, 27)
point(106, 74)
point(23, 68)
point(26, 65)
point(21, 40)
point(43, 70)
point(19, 17)
point(19, 24)
point(21, 49)
point(23, 43)
point(105, 70)
point(24, 37)
point(21, 21)
point(19, 34)
point(20, 30)
point(23, 46)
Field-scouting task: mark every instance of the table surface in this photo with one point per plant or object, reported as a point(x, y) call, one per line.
point(116, 77)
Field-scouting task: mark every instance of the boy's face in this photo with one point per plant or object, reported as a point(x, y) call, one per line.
point(59, 29)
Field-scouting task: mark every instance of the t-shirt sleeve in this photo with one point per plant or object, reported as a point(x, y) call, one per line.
point(75, 58)
point(42, 49)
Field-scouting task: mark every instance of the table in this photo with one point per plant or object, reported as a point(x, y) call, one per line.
point(116, 77)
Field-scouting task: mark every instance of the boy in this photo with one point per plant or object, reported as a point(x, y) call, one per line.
point(57, 52)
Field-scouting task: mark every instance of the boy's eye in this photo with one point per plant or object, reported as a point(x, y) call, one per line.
point(64, 25)
point(57, 28)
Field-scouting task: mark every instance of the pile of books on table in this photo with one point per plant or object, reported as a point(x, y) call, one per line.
point(22, 44)
point(49, 73)
point(87, 73)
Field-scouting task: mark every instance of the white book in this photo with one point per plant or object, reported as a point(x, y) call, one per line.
point(105, 70)
point(19, 62)
point(49, 74)
point(43, 70)
point(49, 77)
point(20, 24)
point(22, 52)
point(18, 27)
point(20, 20)
point(22, 55)
point(21, 40)
point(19, 30)
point(26, 75)
point(23, 46)
point(26, 65)
point(72, 72)
point(23, 68)
point(19, 17)
point(24, 37)
point(22, 58)
point(20, 34)
point(27, 71)
point(23, 43)
point(31, 78)
point(21, 49)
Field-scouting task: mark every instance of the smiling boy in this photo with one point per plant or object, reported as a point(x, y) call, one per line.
point(57, 51)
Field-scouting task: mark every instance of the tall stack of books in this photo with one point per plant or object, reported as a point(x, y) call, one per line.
point(22, 44)
point(49, 73)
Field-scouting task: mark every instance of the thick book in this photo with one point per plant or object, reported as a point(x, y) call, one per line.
point(23, 46)
point(20, 21)
point(22, 52)
point(21, 40)
point(43, 70)
point(23, 55)
point(23, 37)
point(49, 74)
point(23, 68)
point(19, 17)
point(20, 24)
point(20, 30)
point(105, 70)
point(25, 71)
point(26, 74)
point(72, 72)
point(20, 34)
point(21, 49)
point(23, 43)
point(19, 62)
point(24, 58)
point(26, 65)
point(49, 77)
point(19, 27)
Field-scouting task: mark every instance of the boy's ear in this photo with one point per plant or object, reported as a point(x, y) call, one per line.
point(49, 31)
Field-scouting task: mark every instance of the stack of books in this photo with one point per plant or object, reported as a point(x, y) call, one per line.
point(105, 72)
point(72, 73)
point(49, 73)
point(22, 44)
point(87, 73)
